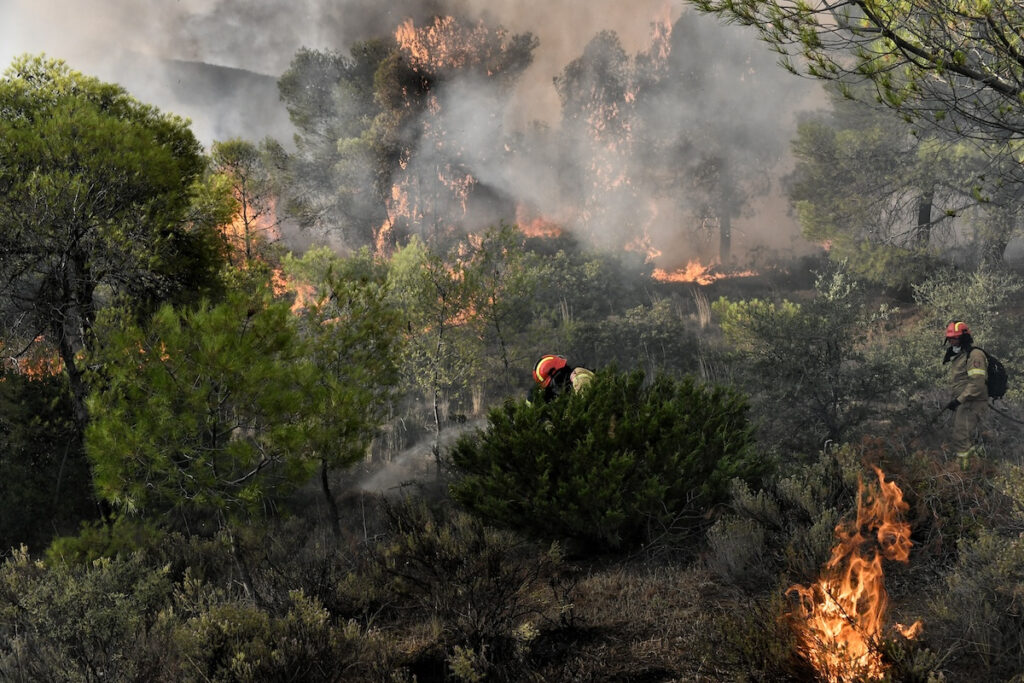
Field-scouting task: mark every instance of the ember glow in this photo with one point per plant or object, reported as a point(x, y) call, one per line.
point(839, 619)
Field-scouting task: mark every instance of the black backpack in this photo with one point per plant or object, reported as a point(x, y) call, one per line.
point(997, 377)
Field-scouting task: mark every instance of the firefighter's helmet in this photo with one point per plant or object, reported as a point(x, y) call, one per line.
point(956, 330)
point(546, 367)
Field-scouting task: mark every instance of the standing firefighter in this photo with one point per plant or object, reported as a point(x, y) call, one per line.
point(968, 372)
point(555, 375)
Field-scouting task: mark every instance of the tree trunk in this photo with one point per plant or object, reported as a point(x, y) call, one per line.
point(243, 567)
point(332, 506)
point(1002, 222)
point(922, 232)
point(725, 238)
point(76, 379)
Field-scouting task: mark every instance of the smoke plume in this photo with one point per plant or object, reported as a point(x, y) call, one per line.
point(217, 61)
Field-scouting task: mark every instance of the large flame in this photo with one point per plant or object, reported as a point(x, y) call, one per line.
point(839, 618)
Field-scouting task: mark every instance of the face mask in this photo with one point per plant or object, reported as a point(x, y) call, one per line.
point(956, 349)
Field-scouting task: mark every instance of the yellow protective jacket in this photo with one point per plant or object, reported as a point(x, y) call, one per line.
point(968, 374)
point(580, 378)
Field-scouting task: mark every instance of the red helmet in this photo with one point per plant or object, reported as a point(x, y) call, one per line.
point(955, 330)
point(546, 367)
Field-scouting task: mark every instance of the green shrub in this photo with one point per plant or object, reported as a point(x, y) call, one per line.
point(611, 467)
point(80, 623)
point(786, 528)
point(220, 638)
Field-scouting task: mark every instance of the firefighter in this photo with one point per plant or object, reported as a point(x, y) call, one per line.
point(968, 374)
point(554, 374)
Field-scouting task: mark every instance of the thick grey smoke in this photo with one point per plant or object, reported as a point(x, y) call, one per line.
point(217, 61)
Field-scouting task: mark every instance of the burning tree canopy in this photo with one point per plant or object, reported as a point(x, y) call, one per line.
point(411, 135)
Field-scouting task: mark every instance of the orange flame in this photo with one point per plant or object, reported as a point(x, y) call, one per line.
point(697, 272)
point(839, 618)
point(532, 225)
point(40, 361)
point(250, 227)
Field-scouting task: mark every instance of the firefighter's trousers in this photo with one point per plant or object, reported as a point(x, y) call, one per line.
point(967, 423)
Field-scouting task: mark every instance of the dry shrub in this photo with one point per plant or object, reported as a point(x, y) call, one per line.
point(479, 589)
point(785, 528)
point(980, 614)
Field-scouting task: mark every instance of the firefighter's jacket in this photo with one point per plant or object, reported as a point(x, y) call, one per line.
point(567, 379)
point(579, 378)
point(968, 375)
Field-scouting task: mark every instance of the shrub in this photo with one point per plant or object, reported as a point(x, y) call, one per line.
point(467, 599)
point(980, 610)
point(79, 623)
point(788, 527)
point(218, 637)
point(610, 467)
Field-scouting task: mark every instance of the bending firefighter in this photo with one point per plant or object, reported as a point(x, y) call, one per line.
point(968, 372)
point(555, 375)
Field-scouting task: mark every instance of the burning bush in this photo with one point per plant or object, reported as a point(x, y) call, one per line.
point(612, 467)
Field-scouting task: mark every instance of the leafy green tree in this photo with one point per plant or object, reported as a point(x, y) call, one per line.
point(501, 281)
point(337, 178)
point(442, 353)
point(955, 65)
point(95, 194)
point(613, 466)
point(887, 197)
point(42, 469)
point(354, 333)
point(596, 92)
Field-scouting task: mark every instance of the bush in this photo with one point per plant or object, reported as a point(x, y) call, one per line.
point(612, 467)
point(80, 623)
point(221, 638)
point(788, 527)
point(980, 611)
point(480, 592)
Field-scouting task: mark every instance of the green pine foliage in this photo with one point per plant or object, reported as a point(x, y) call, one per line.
point(203, 409)
point(610, 467)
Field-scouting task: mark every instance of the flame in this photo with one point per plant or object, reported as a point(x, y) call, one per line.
point(839, 618)
point(532, 225)
point(643, 243)
point(305, 294)
point(444, 44)
point(251, 226)
point(39, 361)
point(697, 272)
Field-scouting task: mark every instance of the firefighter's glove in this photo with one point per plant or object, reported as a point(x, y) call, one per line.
point(952, 405)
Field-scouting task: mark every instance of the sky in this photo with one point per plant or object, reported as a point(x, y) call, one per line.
point(216, 62)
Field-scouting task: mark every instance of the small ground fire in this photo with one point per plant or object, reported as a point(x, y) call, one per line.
point(840, 618)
